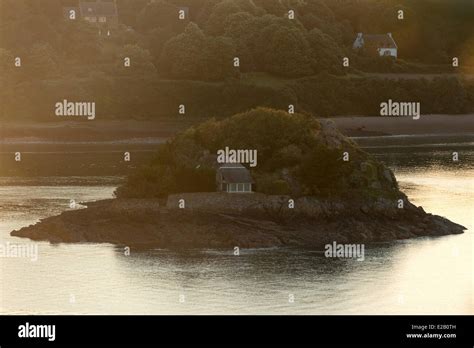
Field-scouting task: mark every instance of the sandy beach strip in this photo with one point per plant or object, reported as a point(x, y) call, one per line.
point(426, 125)
point(163, 129)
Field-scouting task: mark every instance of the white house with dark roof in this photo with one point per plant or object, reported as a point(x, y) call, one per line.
point(99, 11)
point(233, 178)
point(383, 44)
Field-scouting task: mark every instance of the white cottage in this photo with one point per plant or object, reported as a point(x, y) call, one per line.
point(233, 178)
point(382, 44)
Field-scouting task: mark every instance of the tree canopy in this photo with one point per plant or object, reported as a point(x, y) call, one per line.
point(251, 48)
point(296, 156)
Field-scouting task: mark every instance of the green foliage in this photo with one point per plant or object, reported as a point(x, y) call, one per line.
point(78, 42)
point(322, 171)
point(42, 62)
point(155, 40)
point(220, 12)
point(292, 158)
point(193, 55)
point(282, 61)
point(140, 61)
point(272, 185)
point(329, 95)
point(160, 181)
point(284, 51)
point(268, 131)
point(6, 63)
point(158, 14)
point(324, 51)
point(428, 36)
point(322, 95)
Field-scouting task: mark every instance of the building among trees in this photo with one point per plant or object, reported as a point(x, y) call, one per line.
point(233, 178)
point(383, 44)
point(101, 12)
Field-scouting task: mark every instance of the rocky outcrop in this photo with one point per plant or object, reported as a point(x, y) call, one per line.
point(369, 206)
point(141, 223)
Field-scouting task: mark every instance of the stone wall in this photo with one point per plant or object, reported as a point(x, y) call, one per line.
point(126, 204)
point(238, 202)
point(222, 201)
point(278, 205)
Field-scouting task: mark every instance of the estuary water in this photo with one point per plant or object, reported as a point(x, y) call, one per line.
point(424, 275)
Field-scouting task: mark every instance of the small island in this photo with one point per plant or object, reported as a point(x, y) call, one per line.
point(291, 180)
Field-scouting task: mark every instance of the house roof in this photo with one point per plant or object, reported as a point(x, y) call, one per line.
point(98, 8)
point(379, 40)
point(235, 173)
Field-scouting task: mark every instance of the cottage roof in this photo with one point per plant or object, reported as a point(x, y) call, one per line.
point(235, 173)
point(98, 8)
point(379, 40)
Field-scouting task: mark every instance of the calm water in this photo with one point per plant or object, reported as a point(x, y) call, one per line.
point(426, 275)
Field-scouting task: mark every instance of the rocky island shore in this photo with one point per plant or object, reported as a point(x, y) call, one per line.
point(312, 186)
point(142, 223)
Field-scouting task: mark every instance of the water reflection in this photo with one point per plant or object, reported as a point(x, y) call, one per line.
point(424, 275)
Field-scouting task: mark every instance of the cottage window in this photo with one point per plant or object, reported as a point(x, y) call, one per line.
point(232, 187)
point(102, 19)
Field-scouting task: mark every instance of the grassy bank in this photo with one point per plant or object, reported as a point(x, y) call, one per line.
point(322, 95)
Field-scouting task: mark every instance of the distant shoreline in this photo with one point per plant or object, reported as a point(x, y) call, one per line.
point(427, 125)
point(120, 130)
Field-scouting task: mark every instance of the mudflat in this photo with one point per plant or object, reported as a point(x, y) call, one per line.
point(135, 129)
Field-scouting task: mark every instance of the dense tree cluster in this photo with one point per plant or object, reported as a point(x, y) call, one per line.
point(293, 158)
point(73, 58)
point(431, 31)
point(285, 144)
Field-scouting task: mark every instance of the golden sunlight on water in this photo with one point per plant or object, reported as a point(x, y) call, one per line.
point(424, 275)
point(448, 193)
